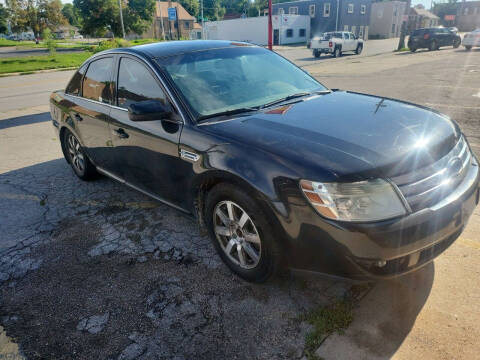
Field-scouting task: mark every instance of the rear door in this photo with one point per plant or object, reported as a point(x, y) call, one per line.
point(90, 108)
point(146, 152)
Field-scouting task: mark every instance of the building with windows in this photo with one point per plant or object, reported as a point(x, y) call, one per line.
point(287, 29)
point(331, 15)
point(162, 28)
point(468, 15)
point(386, 19)
point(419, 18)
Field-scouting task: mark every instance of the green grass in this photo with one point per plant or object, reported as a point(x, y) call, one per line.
point(43, 62)
point(325, 321)
point(402, 49)
point(67, 44)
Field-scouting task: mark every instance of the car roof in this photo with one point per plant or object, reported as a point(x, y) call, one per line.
point(169, 48)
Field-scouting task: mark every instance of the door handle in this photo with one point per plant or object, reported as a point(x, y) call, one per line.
point(78, 117)
point(120, 133)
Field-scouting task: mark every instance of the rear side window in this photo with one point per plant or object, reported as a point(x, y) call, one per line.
point(75, 85)
point(97, 84)
point(136, 83)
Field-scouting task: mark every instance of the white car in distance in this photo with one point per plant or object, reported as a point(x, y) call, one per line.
point(471, 39)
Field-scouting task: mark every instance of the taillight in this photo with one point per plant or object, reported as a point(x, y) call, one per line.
point(330, 44)
point(426, 36)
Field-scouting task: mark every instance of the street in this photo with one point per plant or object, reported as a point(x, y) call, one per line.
point(95, 270)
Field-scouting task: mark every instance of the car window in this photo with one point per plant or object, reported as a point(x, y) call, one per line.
point(347, 36)
point(97, 81)
point(136, 83)
point(75, 85)
point(226, 79)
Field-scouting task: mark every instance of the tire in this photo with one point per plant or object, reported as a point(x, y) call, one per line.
point(456, 43)
point(468, 47)
point(75, 155)
point(337, 52)
point(316, 53)
point(229, 237)
point(413, 49)
point(433, 46)
point(359, 49)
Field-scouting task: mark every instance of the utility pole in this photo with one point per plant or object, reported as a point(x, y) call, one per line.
point(270, 24)
point(121, 17)
point(161, 20)
point(203, 27)
point(403, 32)
point(336, 20)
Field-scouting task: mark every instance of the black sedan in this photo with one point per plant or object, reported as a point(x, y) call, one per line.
point(433, 39)
point(278, 168)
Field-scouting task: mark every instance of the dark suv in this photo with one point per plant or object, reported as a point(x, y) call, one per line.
point(433, 38)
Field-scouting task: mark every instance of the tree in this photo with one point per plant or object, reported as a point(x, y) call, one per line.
point(71, 14)
point(192, 6)
point(100, 16)
point(36, 15)
point(213, 10)
point(3, 19)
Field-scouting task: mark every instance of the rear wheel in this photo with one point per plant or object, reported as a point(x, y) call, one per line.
point(468, 47)
point(413, 49)
point(316, 53)
point(359, 49)
point(433, 46)
point(337, 52)
point(77, 158)
point(241, 233)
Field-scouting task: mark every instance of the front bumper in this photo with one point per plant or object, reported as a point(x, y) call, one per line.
point(381, 249)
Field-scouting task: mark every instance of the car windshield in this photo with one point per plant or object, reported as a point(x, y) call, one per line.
point(229, 79)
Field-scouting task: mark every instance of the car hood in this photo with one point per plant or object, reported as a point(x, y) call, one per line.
point(350, 135)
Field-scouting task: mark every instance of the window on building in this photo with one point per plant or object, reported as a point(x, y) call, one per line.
point(345, 27)
point(363, 9)
point(289, 33)
point(293, 10)
point(311, 10)
point(326, 9)
point(281, 11)
point(97, 82)
point(187, 25)
point(350, 8)
point(395, 12)
point(136, 83)
point(393, 28)
point(302, 32)
point(354, 29)
point(360, 32)
point(465, 11)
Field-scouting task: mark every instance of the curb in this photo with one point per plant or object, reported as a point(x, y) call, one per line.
point(38, 71)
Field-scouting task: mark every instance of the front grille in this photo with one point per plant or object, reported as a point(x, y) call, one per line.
point(429, 185)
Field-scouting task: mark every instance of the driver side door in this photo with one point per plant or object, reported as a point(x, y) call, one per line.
point(146, 152)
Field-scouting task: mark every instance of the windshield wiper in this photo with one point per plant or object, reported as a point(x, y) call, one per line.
point(294, 96)
point(228, 112)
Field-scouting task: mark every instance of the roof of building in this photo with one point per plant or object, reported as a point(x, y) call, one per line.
point(161, 8)
point(424, 13)
point(169, 48)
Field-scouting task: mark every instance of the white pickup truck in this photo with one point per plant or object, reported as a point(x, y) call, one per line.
point(336, 43)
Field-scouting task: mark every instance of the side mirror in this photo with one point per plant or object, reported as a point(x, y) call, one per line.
point(149, 110)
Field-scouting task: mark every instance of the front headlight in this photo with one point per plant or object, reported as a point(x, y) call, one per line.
point(369, 200)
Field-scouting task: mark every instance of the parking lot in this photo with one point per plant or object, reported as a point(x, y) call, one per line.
point(98, 271)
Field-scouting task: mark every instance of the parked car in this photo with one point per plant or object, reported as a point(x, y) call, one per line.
point(433, 39)
point(471, 39)
point(278, 168)
point(336, 43)
point(78, 36)
point(453, 29)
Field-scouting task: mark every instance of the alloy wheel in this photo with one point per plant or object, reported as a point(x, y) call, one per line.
point(76, 154)
point(237, 234)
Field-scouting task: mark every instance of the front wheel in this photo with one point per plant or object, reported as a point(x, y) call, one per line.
point(241, 233)
point(359, 49)
point(413, 49)
point(468, 47)
point(456, 43)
